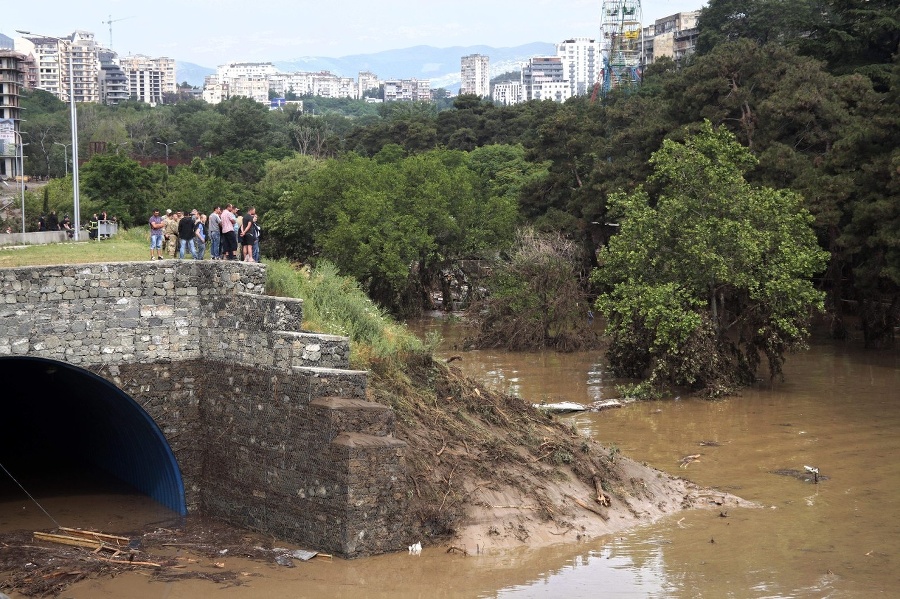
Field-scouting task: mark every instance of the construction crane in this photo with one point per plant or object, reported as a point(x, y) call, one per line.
point(620, 25)
point(110, 22)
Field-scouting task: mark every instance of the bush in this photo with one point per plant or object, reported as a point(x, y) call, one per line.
point(535, 300)
point(336, 305)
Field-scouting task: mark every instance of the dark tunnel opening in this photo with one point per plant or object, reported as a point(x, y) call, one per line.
point(60, 422)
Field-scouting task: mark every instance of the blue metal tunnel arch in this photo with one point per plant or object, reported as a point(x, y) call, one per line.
point(55, 410)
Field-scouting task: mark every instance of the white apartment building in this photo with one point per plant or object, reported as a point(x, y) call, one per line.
point(507, 93)
point(475, 75)
point(582, 63)
point(53, 58)
point(236, 70)
point(213, 91)
point(245, 79)
point(51, 62)
point(544, 78)
point(86, 64)
point(149, 79)
point(95, 70)
point(407, 90)
point(366, 80)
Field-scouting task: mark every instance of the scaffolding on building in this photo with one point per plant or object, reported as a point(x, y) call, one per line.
point(620, 27)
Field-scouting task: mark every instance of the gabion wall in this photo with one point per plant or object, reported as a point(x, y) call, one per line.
point(269, 427)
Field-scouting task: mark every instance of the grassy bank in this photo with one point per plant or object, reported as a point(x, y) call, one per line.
point(335, 304)
point(127, 246)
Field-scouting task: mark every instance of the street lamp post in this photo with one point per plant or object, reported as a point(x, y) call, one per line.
point(65, 148)
point(74, 119)
point(21, 157)
point(167, 144)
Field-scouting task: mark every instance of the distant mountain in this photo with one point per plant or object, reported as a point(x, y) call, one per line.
point(439, 65)
point(192, 73)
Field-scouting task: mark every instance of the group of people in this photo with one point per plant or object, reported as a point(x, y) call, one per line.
point(224, 229)
point(52, 223)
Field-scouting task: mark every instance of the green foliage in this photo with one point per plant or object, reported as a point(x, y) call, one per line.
point(761, 21)
point(394, 223)
point(119, 185)
point(347, 107)
point(336, 305)
point(711, 276)
point(535, 300)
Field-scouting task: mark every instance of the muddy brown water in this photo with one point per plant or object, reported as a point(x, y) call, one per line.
point(838, 410)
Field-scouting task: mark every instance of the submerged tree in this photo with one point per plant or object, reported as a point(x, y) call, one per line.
point(712, 276)
point(535, 299)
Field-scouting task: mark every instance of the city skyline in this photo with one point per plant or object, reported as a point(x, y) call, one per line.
point(215, 32)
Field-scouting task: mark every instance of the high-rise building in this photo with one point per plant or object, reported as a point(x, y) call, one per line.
point(150, 80)
point(366, 81)
point(86, 65)
point(51, 61)
point(582, 63)
point(407, 90)
point(544, 78)
point(475, 75)
point(54, 57)
point(507, 93)
point(11, 76)
point(113, 80)
point(674, 36)
point(240, 79)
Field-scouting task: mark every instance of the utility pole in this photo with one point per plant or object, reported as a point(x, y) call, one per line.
point(167, 144)
point(65, 154)
point(76, 200)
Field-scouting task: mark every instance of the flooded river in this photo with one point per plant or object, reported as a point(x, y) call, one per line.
point(838, 410)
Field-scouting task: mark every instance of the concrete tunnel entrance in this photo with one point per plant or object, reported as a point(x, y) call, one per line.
point(55, 416)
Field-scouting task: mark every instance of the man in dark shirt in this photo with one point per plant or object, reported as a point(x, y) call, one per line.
point(185, 234)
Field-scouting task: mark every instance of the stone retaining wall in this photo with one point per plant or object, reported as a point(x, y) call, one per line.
point(235, 386)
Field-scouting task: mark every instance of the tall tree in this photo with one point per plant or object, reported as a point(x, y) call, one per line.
point(119, 185)
point(710, 276)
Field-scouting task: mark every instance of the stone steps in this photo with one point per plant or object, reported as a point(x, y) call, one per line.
point(334, 416)
point(299, 349)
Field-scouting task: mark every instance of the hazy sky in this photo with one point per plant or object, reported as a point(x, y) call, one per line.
point(213, 32)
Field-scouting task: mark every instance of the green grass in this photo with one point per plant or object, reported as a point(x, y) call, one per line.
point(335, 304)
point(128, 246)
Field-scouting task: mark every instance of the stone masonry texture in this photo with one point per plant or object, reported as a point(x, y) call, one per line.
point(270, 428)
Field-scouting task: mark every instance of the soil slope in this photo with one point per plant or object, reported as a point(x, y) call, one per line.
point(489, 471)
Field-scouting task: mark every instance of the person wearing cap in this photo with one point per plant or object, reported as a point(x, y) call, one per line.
point(171, 233)
point(156, 234)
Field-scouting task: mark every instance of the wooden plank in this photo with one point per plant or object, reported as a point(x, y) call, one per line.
point(66, 540)
point(98, 536)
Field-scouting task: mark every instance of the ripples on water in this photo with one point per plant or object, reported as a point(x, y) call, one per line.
point(838, 409)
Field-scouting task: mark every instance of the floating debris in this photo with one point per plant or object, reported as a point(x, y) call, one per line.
point(689, 459)
point(561, 407)
point(807, 476)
